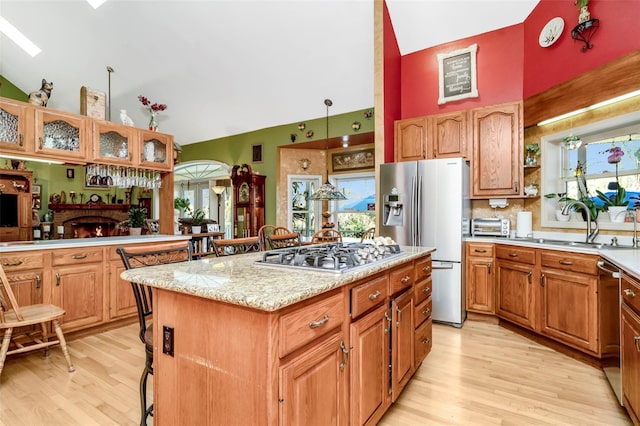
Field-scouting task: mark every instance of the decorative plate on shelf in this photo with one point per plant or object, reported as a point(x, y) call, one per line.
point(551, 32)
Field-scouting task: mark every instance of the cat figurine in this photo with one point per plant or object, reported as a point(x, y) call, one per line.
point(124, 117)
point(41, 97)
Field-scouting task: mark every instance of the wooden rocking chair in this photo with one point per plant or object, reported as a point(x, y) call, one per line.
point(13, 316)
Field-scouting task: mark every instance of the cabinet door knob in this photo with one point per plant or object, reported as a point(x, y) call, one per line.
point(426, 341)
point(426, 269)
point(405, 279)
point(426, 312)
point(426, 290)
point(629, 292)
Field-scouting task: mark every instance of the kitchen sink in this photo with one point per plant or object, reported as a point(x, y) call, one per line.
point(580, 244)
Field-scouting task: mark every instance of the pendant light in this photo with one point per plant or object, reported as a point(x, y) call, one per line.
point(327, 192)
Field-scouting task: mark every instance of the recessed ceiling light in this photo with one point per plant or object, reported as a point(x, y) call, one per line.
point(96, 3)
point(18, 38)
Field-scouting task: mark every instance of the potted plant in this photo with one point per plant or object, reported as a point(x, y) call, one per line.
point(181, 204)
point(533, 150)
point(561, 201)
point(197, 220)
point(616, 203)
point(137, 216)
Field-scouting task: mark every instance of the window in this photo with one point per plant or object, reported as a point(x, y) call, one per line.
point(303, 213)
point(357, 213)
point(563, 162)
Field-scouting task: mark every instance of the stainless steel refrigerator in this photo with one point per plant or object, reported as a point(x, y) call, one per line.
point(426, 203)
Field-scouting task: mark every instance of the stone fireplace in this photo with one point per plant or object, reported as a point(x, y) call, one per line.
point(88, 221)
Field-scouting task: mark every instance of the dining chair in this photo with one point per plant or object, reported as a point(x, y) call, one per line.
point(290, 239)
point(263, 232)
point(326, 236)
point(228, 247)
point(142, 256)
point(369, 234)
point(30, 323)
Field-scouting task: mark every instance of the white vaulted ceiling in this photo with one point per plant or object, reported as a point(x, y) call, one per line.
point(227, 67)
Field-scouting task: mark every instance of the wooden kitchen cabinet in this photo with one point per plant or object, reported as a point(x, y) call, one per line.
point(77, 286)
point(630, 341)
point(114, 143)
point(122, 302)
point(61, 136)
point(497, 139)
point(24, 272)
point(411, 139)
point(449, 135)
point(423, 309)
point(516, 284)
point(154, 150)
point(16, 122)
point(402, 342)
point(480, 286)
point(313, 385)
point(569, 279)
point(369, 386)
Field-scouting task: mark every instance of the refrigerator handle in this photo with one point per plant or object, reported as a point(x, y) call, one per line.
point(414, 225)
point(418, 213)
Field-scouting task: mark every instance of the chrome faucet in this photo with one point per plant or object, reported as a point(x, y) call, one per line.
point(635, 241)
point(591, 233)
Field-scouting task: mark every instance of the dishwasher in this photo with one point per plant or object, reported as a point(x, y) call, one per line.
point(610, 275)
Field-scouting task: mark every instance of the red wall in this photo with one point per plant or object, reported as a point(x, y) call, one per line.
point(391, 84)
point(499, 73)
point(511, 65)
point(619, 34)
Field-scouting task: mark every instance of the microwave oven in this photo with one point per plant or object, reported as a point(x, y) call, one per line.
point(490, 227)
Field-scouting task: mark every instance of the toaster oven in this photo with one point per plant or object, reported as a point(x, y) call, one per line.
point(493, 227)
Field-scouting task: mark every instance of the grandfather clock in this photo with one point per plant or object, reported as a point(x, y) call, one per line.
point(248, 209)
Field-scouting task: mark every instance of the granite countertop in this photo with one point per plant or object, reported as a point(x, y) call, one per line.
point(627, 259)
point(240, 281)
point(14, 246)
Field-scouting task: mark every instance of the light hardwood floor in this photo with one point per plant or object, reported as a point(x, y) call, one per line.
point(481, 374)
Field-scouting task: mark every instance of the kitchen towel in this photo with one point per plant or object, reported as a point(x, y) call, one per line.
point(523, 225)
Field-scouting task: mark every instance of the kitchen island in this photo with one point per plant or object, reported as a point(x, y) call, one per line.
point(243, 343)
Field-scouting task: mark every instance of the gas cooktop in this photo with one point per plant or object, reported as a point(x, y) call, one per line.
point(330, 257)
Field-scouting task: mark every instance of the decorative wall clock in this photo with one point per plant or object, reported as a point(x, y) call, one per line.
point(551, 32)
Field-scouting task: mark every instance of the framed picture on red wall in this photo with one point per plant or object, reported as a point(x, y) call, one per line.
point(457, 74)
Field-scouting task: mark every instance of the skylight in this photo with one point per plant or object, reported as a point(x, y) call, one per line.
point(18, 38)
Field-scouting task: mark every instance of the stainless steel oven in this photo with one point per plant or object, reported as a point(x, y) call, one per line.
point(610, 275)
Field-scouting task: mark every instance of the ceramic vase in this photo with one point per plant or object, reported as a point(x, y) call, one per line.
point(561, 217)
point(195, 229)
point(135, 231)
point(617, 214)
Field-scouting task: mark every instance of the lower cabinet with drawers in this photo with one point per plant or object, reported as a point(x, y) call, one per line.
point(339, 358)
point(630, 340)
point(84, 281)
point(533, 287)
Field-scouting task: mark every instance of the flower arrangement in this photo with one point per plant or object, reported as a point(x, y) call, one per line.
point(618, 198)
point(583, 193)
point(154, 108)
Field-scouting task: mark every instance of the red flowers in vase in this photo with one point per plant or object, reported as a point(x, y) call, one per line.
point(153, 108)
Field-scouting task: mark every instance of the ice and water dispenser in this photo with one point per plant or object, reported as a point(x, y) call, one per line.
point(392, 212)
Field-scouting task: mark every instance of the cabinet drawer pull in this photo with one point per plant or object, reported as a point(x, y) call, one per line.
point(57, 279)
point(629, 292)
point(565, 262)
point(426, 312)
point(41, 139)
point(405, 279)
point(426, 269)
point(426, 341)
point(399, 318)
point(374, 296)
point(319, 323)
point(21, 140)
point(542, 278)
point(16, 263)
point(79, 256)
point(529, 277)
point(479, 250)
point(388, 318)
point(489, 268)
point(636, 341)
point(38, 281)
point(513, 254)
point(426, 290)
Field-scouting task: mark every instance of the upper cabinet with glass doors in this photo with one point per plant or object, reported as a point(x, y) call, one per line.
point(114, 143)
point(61, 135)
point(155, 150)
point(16, 126)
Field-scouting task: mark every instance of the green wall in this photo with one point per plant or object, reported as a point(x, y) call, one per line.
point(237, 149)
point(9, 90)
